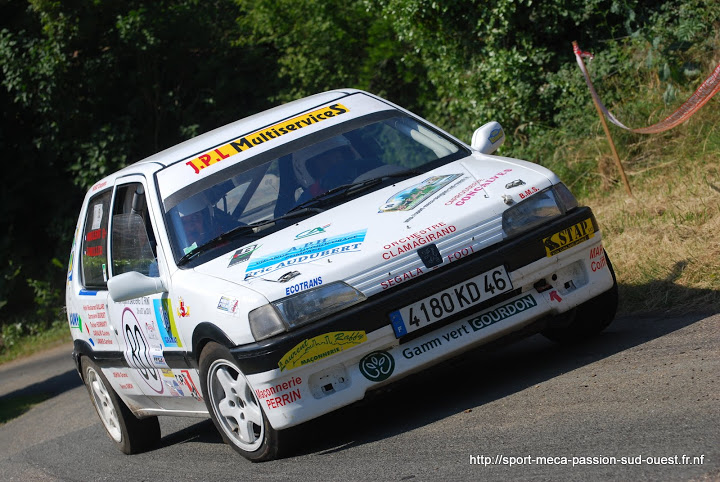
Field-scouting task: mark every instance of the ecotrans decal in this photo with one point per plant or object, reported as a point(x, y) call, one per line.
point(410, 198)
point(569, 237)
point(264, 135)
point(319, 347)
point(305, 253)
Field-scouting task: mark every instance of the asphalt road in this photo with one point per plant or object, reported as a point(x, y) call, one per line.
point(645, 389)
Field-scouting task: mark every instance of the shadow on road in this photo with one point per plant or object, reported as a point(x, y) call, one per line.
point(471, 380)
point(17, 402)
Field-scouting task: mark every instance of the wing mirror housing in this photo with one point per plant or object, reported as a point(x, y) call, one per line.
point(132, 284)
point(488, 138)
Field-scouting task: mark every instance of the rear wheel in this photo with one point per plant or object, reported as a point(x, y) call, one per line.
point(591, 317)
point(130, 434)
point(234, 408)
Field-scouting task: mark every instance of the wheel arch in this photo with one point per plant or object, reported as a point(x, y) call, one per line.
point(205, 333)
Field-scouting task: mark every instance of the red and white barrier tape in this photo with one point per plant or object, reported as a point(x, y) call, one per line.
point(704, 93)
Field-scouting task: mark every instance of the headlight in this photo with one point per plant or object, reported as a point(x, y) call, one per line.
point(300, 309)
point(538, 209)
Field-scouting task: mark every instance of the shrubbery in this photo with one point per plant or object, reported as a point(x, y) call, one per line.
point(90, 87)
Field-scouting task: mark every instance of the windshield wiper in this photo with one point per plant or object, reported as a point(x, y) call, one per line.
point(240, 230)
point(350, 189)
point(308, 207)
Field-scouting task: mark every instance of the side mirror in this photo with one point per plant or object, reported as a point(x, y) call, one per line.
point(488, 138)
point(132, 284)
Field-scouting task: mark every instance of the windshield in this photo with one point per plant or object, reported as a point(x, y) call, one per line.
point(389, 147)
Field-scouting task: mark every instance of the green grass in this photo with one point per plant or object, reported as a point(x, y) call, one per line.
point(663, 242)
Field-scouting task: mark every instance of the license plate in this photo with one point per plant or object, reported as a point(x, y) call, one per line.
point(449, 301)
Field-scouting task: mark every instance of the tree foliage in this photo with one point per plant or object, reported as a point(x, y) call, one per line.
point(90, 86)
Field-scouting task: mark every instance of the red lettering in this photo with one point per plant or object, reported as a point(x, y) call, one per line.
point(94, 251)
point(222, 156)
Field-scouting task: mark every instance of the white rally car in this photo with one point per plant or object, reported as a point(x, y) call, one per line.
point(276, 269)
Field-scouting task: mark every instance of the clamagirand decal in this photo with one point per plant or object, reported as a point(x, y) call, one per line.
point(417, 239)
point(306, 253)
point(243, 254)
point(569, 237)
point(319, 347)
point(410, 198)
point(249, 141)
point(377, 366)
point(166, 323)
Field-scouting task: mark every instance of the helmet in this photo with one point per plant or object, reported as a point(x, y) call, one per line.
point(196, 219)
point(192, 205)
point(306, 160)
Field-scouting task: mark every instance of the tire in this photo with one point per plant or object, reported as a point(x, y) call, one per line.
point(234, 408)
point(131, 435)
point(591, 317)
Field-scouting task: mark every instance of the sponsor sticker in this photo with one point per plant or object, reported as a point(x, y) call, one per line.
point(227, 304)
point(183, 310)
point(502, 312)
point(319, 347)
point(569, 237)
point(377, 366)
point(306, 253)
point(249, 141)
point(166, 323)
point(281, 394)
point(243, 254)
point(311, 232)
point(410, 198)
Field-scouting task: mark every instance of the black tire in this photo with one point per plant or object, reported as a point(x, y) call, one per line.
point(234, 408)
point(131, 435)
point(591, 317)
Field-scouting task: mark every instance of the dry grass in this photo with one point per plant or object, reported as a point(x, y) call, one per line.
point(664, 242)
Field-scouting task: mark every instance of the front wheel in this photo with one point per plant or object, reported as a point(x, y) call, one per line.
point(130, 434)
point(591, 317)
point(234, 409)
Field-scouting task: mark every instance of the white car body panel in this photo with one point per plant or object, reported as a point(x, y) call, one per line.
point(369, 242)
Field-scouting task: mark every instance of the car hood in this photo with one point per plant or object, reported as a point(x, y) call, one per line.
point(372, 241)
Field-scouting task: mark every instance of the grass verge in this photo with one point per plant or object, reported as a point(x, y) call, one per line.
point(27, 344)
point(663, 242)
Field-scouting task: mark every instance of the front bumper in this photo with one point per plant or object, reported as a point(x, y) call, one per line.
point(339, 375)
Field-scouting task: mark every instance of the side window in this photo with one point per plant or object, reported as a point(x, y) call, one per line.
point(94, 250)
point(133, 240)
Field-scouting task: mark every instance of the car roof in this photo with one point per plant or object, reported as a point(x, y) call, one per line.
point(190, 147)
